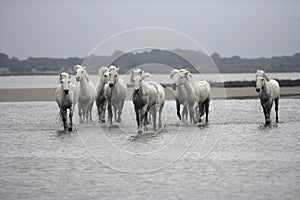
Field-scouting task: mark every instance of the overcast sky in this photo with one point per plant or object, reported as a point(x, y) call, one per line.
point(64, 28)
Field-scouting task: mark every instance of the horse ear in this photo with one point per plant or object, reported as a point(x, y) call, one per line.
point(118, 69)
point(146, 75)
point(141, 72)
point(186, 73)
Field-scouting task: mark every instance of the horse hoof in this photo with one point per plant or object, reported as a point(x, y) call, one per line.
point(118, 120)
point(140, 131)
point(268, 122)
point(70, 129)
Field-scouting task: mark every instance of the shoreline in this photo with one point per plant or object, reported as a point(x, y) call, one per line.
point(48, 94)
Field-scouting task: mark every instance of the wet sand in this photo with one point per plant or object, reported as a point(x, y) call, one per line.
point(48, 94)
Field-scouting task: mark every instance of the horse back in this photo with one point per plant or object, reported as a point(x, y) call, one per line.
point(204, 90)
point(157, 92)
point(275, 88)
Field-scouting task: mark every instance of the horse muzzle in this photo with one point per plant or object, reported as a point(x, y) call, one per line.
point(111, 85)
point(66, 91)
point(136, 91)
point(174, 86)
point(77, 79)
point(257, 90)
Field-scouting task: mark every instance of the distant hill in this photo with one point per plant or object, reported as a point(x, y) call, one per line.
point(127, 61)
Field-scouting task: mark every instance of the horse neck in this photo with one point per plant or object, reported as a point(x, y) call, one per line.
point(84, 86)
point(143, 89)
point(189, 85)
point(181, 89)
point(102, 84)
point(83, 83)
point(266, 86)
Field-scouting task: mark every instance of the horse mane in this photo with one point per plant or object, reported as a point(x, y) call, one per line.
point(86, 77)
point(62, 75)
point(102, 70)
point(133, 72)
point(176, 71)
point(76, 67)
point(263, 74)
point(173, 72)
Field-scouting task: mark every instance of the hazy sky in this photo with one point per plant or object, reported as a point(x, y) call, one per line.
point(64, 28)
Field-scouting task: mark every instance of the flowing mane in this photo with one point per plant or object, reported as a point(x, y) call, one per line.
point(62, 75)
point(263, 74)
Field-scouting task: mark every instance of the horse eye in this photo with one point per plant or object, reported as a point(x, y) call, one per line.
point(68, 81)
point(116, 75)
point(81, 71)
point(105, 75)
point(61, 81)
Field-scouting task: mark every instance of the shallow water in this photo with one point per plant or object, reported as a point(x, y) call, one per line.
point(237, 159)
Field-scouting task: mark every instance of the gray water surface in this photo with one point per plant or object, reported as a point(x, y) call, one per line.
point(237, 159)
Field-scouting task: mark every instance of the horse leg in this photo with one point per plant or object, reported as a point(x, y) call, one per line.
point(195, 106)
point(80, 113)
point(178, 109)
point(98, 111)
point(90, 111)
point(70, 118)
point(206, 110)
point(63, 114)
point(200, 112)
point(276, 108)
point(115, 112)
point(184, 113)
point(102, 114)
point(110, 114)
point(191, 112)
point(154, 114)
point(85, 113)
point(144, 117)
point(137, 117)
point(266, 107)
point(159, 116)
point(120, 111)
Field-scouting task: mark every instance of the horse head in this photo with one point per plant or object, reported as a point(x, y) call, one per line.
point(64, 81)
point(261, 78)
point(80, 73)
point(137, 78)
point(104, 74)
point(179, 77)
point(114, 75)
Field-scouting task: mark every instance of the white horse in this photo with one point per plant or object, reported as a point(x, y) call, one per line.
point(86, 94)
point(180, 94)
point(147, 97)
point(269, 91)
point(115, 93)
point(100, 99)
point(198, 95)
point(66, 99)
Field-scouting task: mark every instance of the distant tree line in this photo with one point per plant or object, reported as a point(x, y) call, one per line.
point(127, 61)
